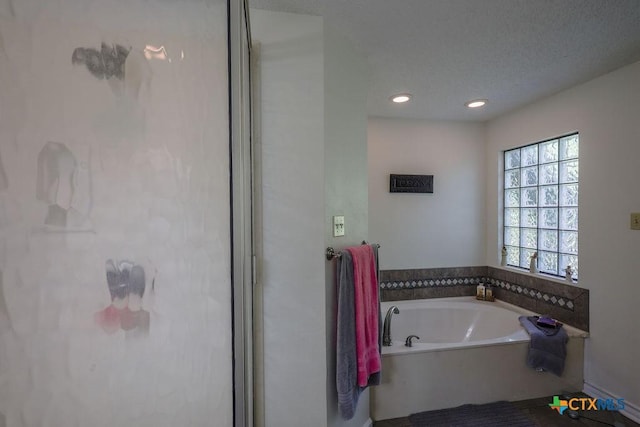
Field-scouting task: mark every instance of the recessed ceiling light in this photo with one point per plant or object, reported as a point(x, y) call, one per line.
point(401, 97)
point(476, 103)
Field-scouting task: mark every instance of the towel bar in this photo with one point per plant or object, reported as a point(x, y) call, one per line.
point(332, 254)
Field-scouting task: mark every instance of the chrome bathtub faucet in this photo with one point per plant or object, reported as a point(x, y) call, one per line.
point(386, 336)
point(408, 342)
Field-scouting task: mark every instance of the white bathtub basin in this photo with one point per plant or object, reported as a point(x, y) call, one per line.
point(450, 323)
point(469, 352)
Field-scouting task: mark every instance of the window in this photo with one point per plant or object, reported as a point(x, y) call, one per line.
point(541, 205)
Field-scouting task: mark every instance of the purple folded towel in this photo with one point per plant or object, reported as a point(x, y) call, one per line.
point(545, 321)
point(547, 346)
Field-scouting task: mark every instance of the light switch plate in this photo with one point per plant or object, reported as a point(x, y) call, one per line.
point(338, 225)
point(635, 220)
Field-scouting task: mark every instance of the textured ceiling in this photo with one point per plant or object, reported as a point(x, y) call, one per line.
point(446, 52)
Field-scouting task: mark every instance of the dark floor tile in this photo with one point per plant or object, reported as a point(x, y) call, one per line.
point(539, 412)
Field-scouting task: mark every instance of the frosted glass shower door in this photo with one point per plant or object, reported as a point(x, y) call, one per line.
point(115, 293)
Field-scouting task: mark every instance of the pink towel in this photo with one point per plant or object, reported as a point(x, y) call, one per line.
point(367, 312)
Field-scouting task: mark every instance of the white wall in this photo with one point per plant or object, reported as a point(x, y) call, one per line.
point(346, 78)
point(605, 112)
point(156, 166)
point(292, 134)
point(443, 229)
point(313, 133)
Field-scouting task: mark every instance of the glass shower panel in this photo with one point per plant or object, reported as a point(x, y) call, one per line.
point(115, 302)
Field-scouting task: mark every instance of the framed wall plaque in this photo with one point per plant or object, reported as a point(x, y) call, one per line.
point(410, 183)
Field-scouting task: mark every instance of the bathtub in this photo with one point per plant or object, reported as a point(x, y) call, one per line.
point(469, 351)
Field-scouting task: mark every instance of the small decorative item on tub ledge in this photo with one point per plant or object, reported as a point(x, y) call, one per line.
point(533, 266)
point(503, 259)
point(484, 292)
point(569, 274)
point(488, 293)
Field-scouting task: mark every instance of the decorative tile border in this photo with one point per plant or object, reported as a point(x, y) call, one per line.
point(535, 292)
point(567, 303)
point(427, 275)
point(550, 298)
point(430, 282)
point(425, 283)
point(563, 302)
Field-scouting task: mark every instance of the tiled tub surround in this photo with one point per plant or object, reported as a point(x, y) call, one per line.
point(567, 303)
point(430, 282)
